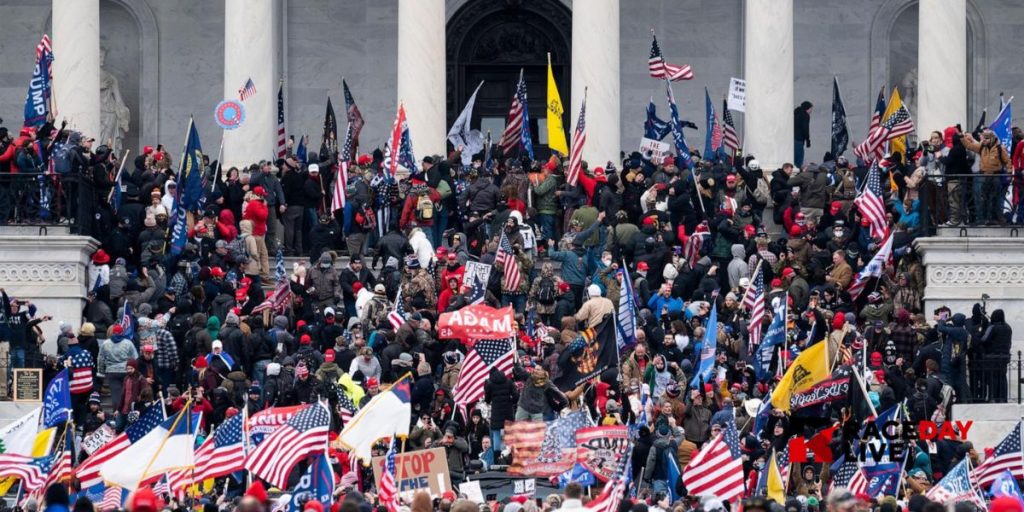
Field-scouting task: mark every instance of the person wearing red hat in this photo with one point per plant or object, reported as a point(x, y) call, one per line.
point(545, 200)
point(145, 500)
point(99, 270)
point(257, 212)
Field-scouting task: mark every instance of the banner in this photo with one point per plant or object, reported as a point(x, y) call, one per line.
point(37, 100)
point(266, 421)
point(97, 438)
point(600, 450)
point(654, 150)
point(57, 400)
point(475, 278)
point(421, 469)
point(476, 322)
point(822, 393)
point(737, 98)
point(544, 449)
point(316, 484)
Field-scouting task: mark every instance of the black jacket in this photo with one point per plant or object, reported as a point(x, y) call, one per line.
point(801, 124)
point(500, 393)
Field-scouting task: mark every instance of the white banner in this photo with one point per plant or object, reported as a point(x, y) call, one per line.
point(737, 99)
point(653, 150)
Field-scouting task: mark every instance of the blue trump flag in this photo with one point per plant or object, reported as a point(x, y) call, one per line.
point(578, 474)
point(713, 139)
point(37, 101)
point(672, 475)
point(57, 400)
point(655, 128)
point(683, 160)
point(883, 479)
point(1001, 126)
point(775, 336)
point(316, 484)
point(190, 188)
point(708, 347)
point(301, 154)
point(1006, 485)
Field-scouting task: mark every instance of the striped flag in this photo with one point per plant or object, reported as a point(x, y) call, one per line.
point(614, 489)
point(111, 498)
point(718, 468)
point(88, 472)
point(387, 490)
point(341, 180)
point(871, 204)
point(660, 69)
point(220, 454)
point(282, 142)
point(44, 47)
point(482, 356)
point(305, 434)
point(876, 118)
point(753, 300)
point(278, 300)
point(393, 147)
point(1007, 456)
point(127, 322)
point(397, 316)
point(517, 127)
point(31, 471)
point(505, 256)
point(872, 269)
point(694, 244)
point(346, 406)
point(247, 90)
point(579, 139)
point(956, 487)
point(81, 371)
point(544, 448)
point(354, 116)
point(625, 327)
point(896, 125)
point(729, 137)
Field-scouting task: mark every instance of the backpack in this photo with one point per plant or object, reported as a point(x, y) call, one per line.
point(546, 292)
point(424, 208)
point(61, 157)
point(237, 250)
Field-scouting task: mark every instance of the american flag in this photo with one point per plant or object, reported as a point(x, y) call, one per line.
point(483, 355)
point(387, 491)
point(127, 322)
point(753, 300)
point(393, 147)
point(81, 372)
point(898, 124)
point(517, 127)
point(88, 472)
point(282, 142)
point(247, 90)
point(341, 180)
point(44, 47)
point(845, 474)
point(663, 70)
point(161, 487)
point(876, 118)
point(355, 118)
point(956, 486)
point(304, 435)
point(221, 454)
point(692, 249)
point(397, 316)
point(729, 137)
point(31, 471)
point(870, 203)
point(278, 300)
point(1007, 456)
point(61, 470)
point(512, 279)
point(531, 441)
point(718, 468)
point(579, 139)
point(347, 407)
point(872, 269)
point(614, 489)
point(111, 498)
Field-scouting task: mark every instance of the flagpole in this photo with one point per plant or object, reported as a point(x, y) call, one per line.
point(117, 177)
point(184, 411)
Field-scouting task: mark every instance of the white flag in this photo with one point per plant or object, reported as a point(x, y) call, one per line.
point(461, 135)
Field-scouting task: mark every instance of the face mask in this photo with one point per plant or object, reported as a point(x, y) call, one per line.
point(607, 261)
point(759, 465)
point(839, 233)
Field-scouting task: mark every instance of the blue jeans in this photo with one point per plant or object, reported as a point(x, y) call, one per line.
point(547, 226)
point(259, 371)
point(498, 440)
point(437, 229)
point(798, 153)
point(17, 361)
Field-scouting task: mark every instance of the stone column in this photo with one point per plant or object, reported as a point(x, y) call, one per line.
point(249, 52)
point(595, 66)
point(76, 64)
point(768, 70)
point(941, 66)
point(421, 73)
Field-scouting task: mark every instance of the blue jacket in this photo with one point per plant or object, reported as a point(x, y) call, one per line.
point(657, 302)
point(573, 269)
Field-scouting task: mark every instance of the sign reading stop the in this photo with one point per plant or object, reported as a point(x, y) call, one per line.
point(416, 470)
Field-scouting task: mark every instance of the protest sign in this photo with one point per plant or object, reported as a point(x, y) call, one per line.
point(415, 470)
point(653, 150)
point(97, 438)
point(737, 99)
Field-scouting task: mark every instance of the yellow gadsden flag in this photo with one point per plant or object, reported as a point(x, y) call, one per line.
point(556, 131)
point(809, 368)
point(776, 487)
point(899, 143)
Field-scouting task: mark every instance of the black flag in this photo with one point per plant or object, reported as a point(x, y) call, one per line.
point(840, 134)
point(329, 141)
point(590, 354)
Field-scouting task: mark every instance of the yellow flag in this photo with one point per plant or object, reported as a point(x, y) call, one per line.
point(899, 143)
point(776, 487)
point(808, 369)
point(556, 131)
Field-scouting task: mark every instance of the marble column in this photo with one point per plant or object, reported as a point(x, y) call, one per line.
point(76, 64)
point(421, 73)
point(250, 52)
point(942, 81)
point(595, 67)
point(768, 70)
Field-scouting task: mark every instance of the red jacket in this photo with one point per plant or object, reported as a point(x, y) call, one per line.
point(409, 209)
point(257, 212)
point(226, 228)
point(1017, 159)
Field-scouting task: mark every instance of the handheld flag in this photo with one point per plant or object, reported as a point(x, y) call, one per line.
point(57, 400)
point(658, 68)
point(352, 113)
point(708, 347)
point(387, 414)
point(956, 486)
point(247, 90)
point(1006, 485)
point(840, 132)
point(865, 150)
point(190, 188)
point(897, 140)
point(305, 434)
point(776, 487)
point(729, 138)
point(872, 269)
point(713, 139)
point(556, 129)
point(654, 127)
point(472, 141)
point(282, 147)
point(625, 326)
point(517, 127)
point(871, 204)
point(37, 101)
point(808, 369)
point(317, 484)
point(683, 160)
point(774, 337)
point(301, 153)
point(1001, 126)
point(579, 140)
point(329, 139)
point(166, 447)
point(386, 488)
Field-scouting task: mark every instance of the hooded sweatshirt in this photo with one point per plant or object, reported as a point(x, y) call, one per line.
point(738, 268)
point(114, 355)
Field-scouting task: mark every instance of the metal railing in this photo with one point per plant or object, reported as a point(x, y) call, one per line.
point(32, 199)
point(990, 381)
point(971, 201)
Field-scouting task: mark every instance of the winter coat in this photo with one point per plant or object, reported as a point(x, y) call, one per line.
point(256, 211)
point(998, 338)
point(994, 158)
point(813, 185)
point(544, 196)
point(738, 267)
point(114, 355)
point(500, 393)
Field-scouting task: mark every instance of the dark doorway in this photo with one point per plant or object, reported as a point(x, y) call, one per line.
point(492, 40)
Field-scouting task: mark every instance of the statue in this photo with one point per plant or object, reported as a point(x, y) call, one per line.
point(114, 114)
point(909, 89)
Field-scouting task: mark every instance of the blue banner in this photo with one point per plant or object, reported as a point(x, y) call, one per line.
point(774, 337)
point(1006, 485)
point(1001, 126)
point(883, 479)
point(683, 160)
point(316, 484)
point(37, 101)
point(655, 128)
point(190, 184)
point(578, 474)
point(708, 347)
point(57, 400)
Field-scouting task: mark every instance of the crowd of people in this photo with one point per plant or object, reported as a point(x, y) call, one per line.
point(692, 240)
